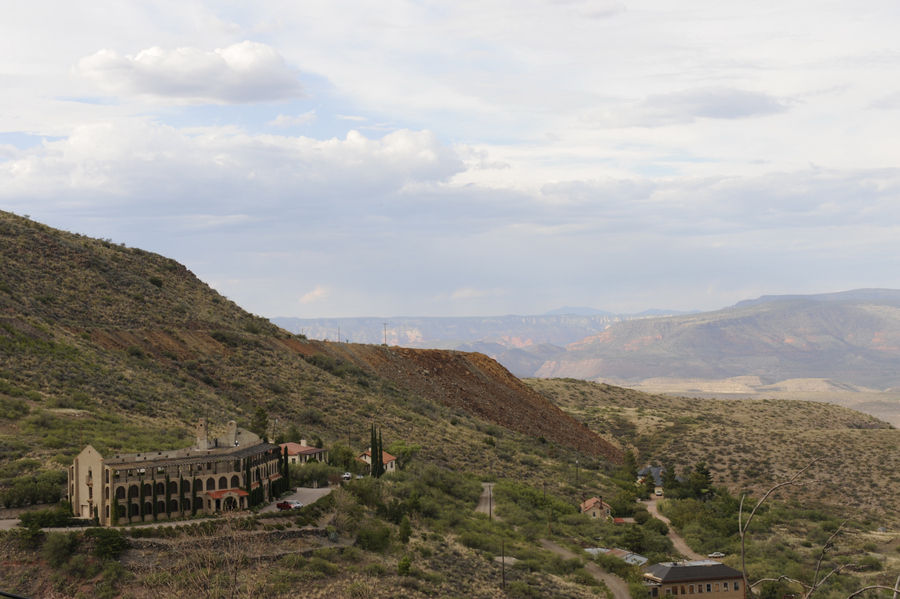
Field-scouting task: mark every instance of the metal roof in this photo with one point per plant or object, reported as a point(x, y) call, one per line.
point(689, 571)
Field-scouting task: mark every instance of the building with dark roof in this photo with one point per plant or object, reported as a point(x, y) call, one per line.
point(204, 478)
point(712, 579)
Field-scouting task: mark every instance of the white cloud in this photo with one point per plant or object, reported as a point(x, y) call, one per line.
point(318, 294)
point(129, 162)
point(687, 106)
point(293, 121)
point(242, 73)
point(345, 117)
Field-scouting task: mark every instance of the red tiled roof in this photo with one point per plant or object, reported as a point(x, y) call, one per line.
point(593, 502)
point(224, 492)
point(385, 456)
point(297, 449)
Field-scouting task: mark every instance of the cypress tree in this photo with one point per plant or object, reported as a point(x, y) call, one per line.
point(155, 509)
point(193, 496)
point(380, 455)
point(287, 470)
point(181, 482)
point(168, 498)
point(143, 496)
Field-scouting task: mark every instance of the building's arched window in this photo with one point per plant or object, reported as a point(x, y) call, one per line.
point(160, 488)
point(107, 512)
point(120, 492)
point(135, 510)
point(210, 484)
point(161, 507)
point(173, 505)
point(235, 482)
point(173, 487)
point(148, 490)
point(148, 509)
point(186, 505)
point(133, 491)
point(223, 483)
point(106, 494)
point(198, 485)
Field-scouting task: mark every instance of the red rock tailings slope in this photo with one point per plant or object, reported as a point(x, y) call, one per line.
point(471, 382)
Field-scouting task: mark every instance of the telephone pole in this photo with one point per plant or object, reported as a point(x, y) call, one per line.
point(385, 332)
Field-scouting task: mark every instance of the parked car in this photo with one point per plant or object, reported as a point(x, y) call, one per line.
point(289, 504)
point(659, 493)
point(347, 476)
point(717, 554)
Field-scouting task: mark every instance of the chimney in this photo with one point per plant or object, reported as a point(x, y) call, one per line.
point(202, 443)
point(302, 442)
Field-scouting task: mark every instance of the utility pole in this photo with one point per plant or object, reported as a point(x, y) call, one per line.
point(503, 562)
point(576, 472)
point(491, 503)
point(385, 332)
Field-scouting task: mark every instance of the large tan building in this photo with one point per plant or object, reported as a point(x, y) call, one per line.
point(204, 478)
point(712, 579)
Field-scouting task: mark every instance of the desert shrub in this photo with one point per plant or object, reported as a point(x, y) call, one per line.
point(317, 564)
point(109, 543)
point(156, 281)
point(521, 590)
point(13, 408)
point(59, 517)
point(373, 536)
point(375, 569)
point(58, 547)
point(869, 562)
point(404, 565)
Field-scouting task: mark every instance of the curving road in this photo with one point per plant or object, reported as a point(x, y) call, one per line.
point(679, 543)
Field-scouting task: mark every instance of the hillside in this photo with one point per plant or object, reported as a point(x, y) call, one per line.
point(749, 445)
point(849, 341)
point(133, 348)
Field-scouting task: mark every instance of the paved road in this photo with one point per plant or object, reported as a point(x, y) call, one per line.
point(679, 543)
point(304, 496)
point(616, 585)
point(484, 502)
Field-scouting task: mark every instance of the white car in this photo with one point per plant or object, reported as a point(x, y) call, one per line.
point(347, 476)
point(717, 554)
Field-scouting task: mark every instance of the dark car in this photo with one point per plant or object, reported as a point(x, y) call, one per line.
point(289, 504)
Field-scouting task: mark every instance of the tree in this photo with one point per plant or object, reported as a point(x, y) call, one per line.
point(259, 424)
point(700, 480)
point(403, 452)
point(818, 578)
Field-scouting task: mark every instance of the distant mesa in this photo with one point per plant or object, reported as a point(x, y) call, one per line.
point(569, 311)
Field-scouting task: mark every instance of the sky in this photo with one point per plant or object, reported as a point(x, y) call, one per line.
point(337, 159)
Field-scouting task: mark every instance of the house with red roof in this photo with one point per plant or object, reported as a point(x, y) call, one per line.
point(301, 453)
point(389, 461)
point(596, 508)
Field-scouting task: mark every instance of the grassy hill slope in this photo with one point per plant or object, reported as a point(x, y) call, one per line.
point(749, 445)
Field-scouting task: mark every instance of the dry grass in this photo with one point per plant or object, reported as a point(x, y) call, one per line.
point(750, 444)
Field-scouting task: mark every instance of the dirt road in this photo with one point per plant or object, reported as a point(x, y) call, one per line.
point(616, 585)
point(679, 543)
point(485, 502)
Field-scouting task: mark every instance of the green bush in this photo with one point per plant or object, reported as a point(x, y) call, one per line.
point(58, 547)
point(373, 536)
point(404, 565)
point(375, 569)
point(59, 517)
point(109, 543)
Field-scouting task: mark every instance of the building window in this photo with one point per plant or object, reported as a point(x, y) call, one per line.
point(682, 590)
point(724, 586)
point(691, 589)
point(674, 590)
point(708, 588)
point(717, 586)
point(699, 588)
point(668, 591)
point(737, 586)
